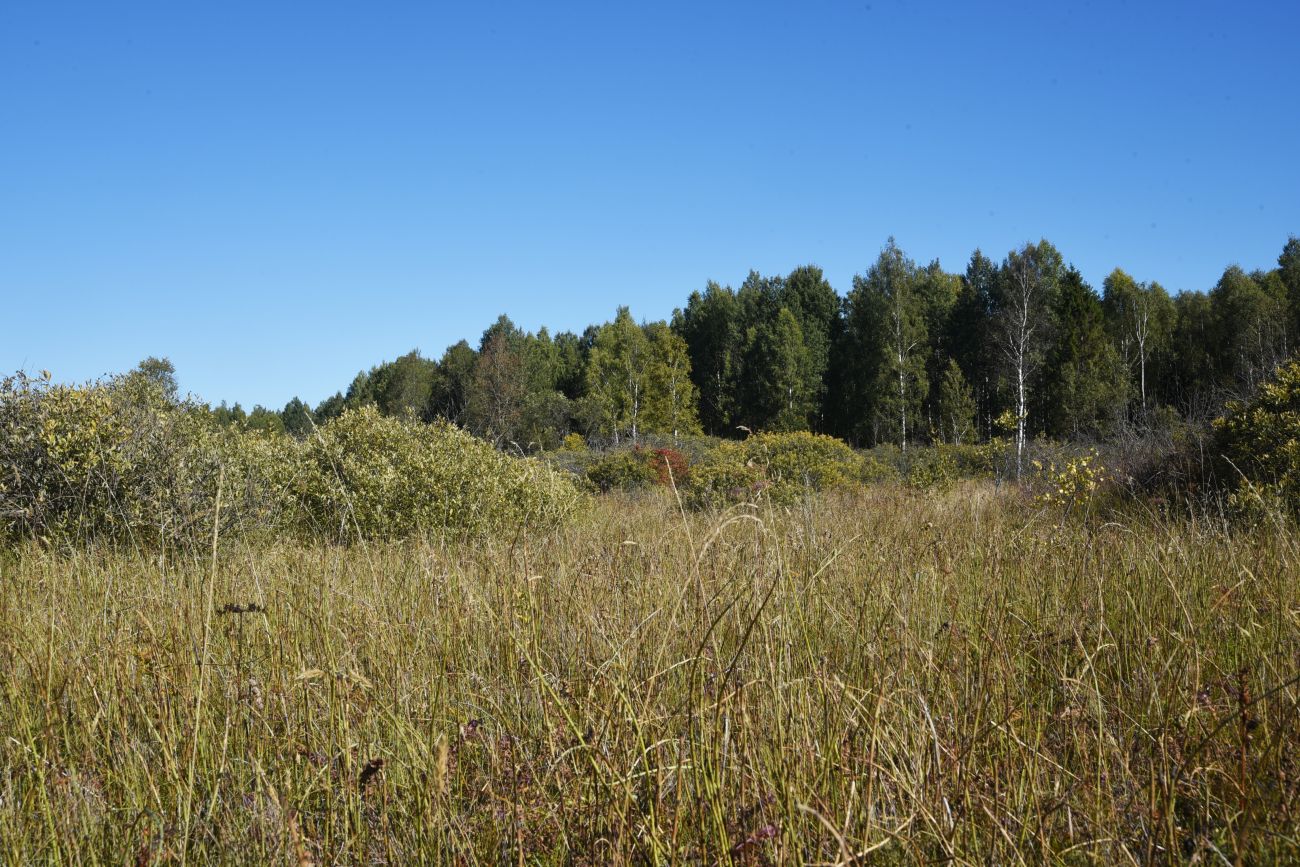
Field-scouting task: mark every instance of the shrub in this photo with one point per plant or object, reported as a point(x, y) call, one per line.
point(636, 468)
point(374, 476)
point(782, 467)
point(621, 470)
point(670, 466)
point(1259, 439)
point(116, 459)
point(724, 477)
point(1072, 485)
point(573, 442)
point(939, 466)
point(932, 469)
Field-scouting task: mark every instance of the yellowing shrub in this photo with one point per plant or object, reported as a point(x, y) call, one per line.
point(781, 467)
point(373, 476)
point(1072, 485)
point(113, 461)
point(1259, 440)
point(110, 460)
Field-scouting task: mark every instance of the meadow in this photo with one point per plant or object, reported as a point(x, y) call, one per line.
point(883, 675)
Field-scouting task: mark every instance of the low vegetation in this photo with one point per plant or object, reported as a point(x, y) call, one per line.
point(898, 676)
point(118, 460)
point(781, 468)
point(388, 642)
point(1259, 440)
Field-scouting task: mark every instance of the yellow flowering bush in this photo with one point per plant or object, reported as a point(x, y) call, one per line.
point(1072, 485)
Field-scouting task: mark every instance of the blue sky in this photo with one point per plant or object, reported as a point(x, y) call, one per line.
point(277, 195)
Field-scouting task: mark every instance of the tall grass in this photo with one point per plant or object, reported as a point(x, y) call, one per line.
point(887, 677)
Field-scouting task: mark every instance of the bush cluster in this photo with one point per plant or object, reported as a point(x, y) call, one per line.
point(940, 466)
point(638, 467)
point(120, 460)
point(374, 476)
point(1259, 440)
point(117, 459)
point(781, 467)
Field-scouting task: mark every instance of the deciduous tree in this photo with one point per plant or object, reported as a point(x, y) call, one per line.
point(1022, 323)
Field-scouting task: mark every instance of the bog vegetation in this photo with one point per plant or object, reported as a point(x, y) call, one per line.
point(123, 460)
point(1045, 611)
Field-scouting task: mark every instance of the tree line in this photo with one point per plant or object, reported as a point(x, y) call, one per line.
point(911, 353)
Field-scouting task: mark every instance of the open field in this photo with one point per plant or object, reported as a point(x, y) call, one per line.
point(892, 677)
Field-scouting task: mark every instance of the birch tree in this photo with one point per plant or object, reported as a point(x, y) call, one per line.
point(1139, 317)
point(671, 397)
point(616, 378)
point(1022, 323)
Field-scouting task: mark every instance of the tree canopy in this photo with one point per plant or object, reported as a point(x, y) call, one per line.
point(910, 353)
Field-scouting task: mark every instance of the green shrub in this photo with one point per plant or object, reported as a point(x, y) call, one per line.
point(939, 466)
point(638, 467)
point(725, 476)
point(117, 460)
point(781, 467)
point(1259, 440)
point(573, 442)
point(621, 470)
point(932, 468)
point(374, 476)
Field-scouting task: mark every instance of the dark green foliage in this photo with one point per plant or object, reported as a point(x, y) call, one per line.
point(265, 420)
point(912, 354)
point(955, 409)
point(405, 388)
point(571, 360)
point(622, 470)
point(297, 418)
point(451, 394)
point(779, 384)
point(230, 416)
point(1084, 383)
point(970, 338)
point(816, 308)
point(1259, 439)
point(330, 407)
point(1192, 382)
point(1250, 328)
point(710, 325)
point(1288, 265)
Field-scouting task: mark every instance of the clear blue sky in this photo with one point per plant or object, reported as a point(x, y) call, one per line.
point(276, 195)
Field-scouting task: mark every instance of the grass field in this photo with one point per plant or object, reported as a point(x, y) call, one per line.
point(888, 677)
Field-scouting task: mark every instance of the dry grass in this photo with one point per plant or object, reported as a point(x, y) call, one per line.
point(894, 677)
